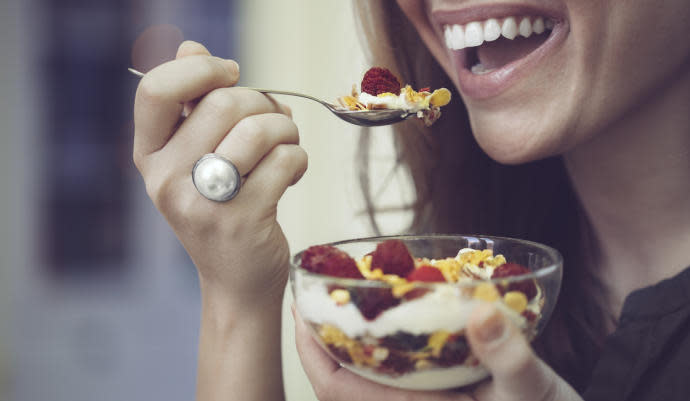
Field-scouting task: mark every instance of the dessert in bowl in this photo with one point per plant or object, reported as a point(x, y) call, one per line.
point(394, 309)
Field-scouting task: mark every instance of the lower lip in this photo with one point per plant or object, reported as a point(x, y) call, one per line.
point(485, 86)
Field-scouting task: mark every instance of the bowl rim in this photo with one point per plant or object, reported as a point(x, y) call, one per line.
point(555, 267)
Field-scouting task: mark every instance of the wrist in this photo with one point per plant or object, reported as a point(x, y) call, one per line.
point(239, 349)
point(221, 304)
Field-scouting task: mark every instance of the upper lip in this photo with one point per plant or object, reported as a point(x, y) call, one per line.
point(444, 15)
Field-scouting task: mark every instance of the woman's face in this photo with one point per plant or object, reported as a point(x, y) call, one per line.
point(594, 62)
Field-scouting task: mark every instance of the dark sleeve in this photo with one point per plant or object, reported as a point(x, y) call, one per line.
point(648, 356)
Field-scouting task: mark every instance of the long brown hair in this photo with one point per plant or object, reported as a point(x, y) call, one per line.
point(461, 190)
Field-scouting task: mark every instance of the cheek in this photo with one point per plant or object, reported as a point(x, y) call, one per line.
point(640, 55)
point(614, 63)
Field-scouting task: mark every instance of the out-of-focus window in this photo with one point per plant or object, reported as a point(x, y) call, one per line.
point(87, 94)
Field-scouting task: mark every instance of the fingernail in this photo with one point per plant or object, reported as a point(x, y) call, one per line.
point(492, 325)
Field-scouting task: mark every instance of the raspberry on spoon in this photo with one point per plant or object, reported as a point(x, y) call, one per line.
point(379, 80)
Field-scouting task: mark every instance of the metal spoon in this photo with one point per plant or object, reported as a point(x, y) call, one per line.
point(366, 118)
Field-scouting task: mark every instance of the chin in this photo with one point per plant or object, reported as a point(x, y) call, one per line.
point(516, 138)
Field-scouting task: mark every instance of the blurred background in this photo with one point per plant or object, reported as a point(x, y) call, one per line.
point(98, 301)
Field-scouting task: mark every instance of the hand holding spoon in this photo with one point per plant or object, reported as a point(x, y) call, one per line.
point(366, 118)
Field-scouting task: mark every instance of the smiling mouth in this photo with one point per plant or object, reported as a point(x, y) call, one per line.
point(486, 46)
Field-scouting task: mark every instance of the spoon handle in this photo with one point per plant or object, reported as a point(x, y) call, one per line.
point(135, 72)
point(280, 92)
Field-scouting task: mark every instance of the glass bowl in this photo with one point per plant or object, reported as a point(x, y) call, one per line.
point(416, 340)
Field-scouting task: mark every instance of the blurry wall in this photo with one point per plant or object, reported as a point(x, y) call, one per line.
point(128, 330)
point(9, 73)
point(102, 300)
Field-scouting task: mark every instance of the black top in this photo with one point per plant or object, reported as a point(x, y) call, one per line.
point(648, 356)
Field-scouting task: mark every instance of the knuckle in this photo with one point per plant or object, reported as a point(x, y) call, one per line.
point(284, 154)
point(161, 191)
point(522, 359)
point(250, 132)
point(234, 69)
point(138, 159)
point(182, 208)
point(150, 90)
point(193, 213)
point(301, 160)
point(302, 156)
point(287, 110)
point(213, 67)
point(291, 128)
point(220, 100)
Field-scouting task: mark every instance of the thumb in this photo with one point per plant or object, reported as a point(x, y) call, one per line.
point(191, 48)
point(518, 374)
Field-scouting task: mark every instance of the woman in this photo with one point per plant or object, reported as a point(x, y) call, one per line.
point(586, 132)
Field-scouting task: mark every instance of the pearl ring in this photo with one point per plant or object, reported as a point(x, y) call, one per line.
point(216, 178)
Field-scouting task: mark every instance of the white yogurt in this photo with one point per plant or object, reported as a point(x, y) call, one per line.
point(391, 102)
point(444, 308)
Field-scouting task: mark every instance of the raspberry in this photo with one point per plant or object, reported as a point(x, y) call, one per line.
point(397, 363)
point(392, 257)
point(373, 300)
point(404, 341)
point(454, 352)
point(513, 269)
point(427, 274)
point(380, 80)
point(415, 293)
point(331, 261)
point(529, 315)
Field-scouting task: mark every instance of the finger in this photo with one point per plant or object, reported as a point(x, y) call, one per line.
point(212, 119)
point(254, 137)
point(331, 382)
point(186, 49)
point(191, 48)
point(500, 346)
point(312, 356)
point(281, 167)
point(287, 110)
point(163, 91)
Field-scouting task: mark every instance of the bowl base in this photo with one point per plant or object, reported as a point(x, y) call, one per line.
point(432, 379)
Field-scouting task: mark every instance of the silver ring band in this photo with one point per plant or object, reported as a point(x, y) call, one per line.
point(216, 178)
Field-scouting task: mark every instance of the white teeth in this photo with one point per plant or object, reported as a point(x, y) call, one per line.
point(475, 33)
point(457, 37)
point(492, 30)
point(525, 27)
point(448, 36)
point(509, 28)
point(538, 26)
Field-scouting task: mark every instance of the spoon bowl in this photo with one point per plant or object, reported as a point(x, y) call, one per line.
point(365, 118)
